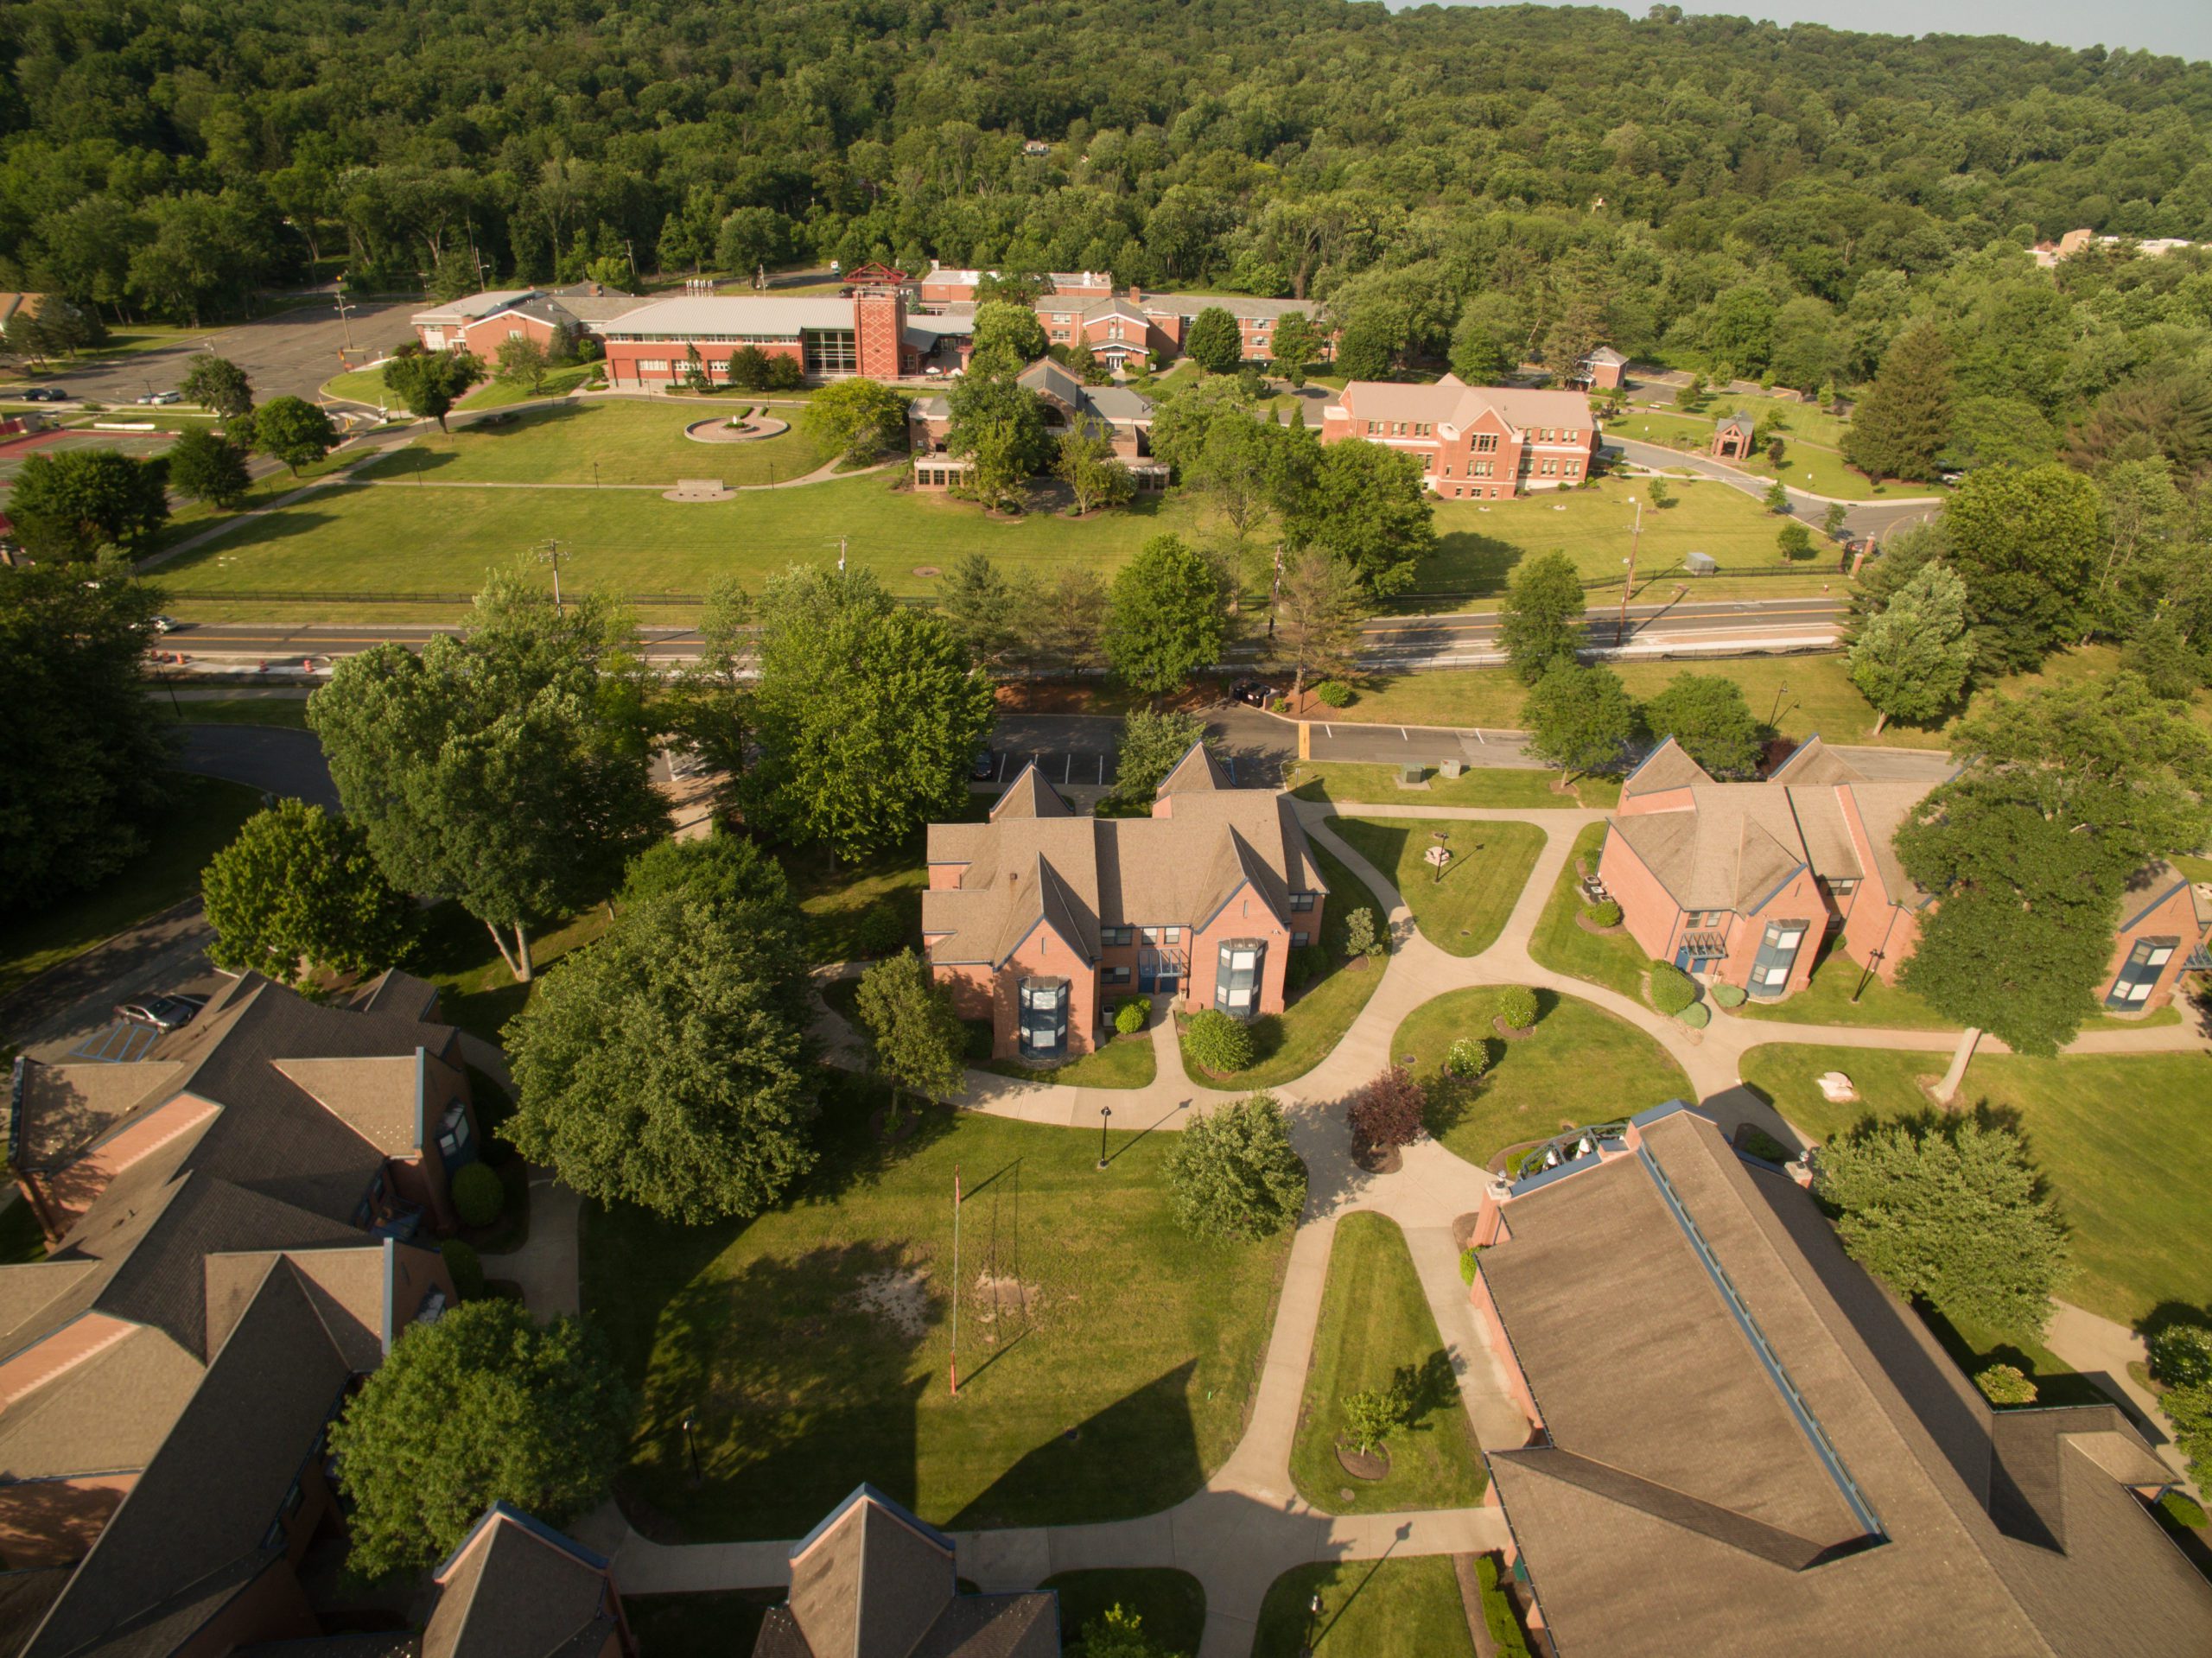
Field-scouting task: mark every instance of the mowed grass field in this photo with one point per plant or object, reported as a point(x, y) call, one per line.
point(1480, 544)
point(594, 443)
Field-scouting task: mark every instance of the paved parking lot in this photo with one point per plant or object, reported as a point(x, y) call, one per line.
point(116, 1043)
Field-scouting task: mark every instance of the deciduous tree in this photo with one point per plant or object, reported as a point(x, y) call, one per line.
point(914, 1037)
point(1165, 619)
point(1541, 622)
point(1581, 719)
point(1296, 344)
point(205, 467)
point(485, 1406)
point(294, 431)
point(858, 419)
point(998, 426)
point(1214, 343)
point(523, 361)
point(2024, 541)
point(1389, 1109)
point(1707, 715)
point(428, 383)
point(1951, 1210)
point(1095, 475)
point(1231, 1173)
point(1367, 505)
point(298, 892)
point(710, 702)
point(1002, 326)
point(1911, 658)
point(219, 384)
point(70, 504)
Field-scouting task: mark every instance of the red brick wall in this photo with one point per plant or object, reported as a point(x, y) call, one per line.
point(2175, 916)
point(1800, 900)
point(1648, 909)
point(623, 357)
point(879, 323)
point(1246, 916)
point(485, 336)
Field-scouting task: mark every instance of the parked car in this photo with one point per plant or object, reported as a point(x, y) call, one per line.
point(45, 394)
point(163, 624)
point(162, 1013)
point(1257, 692)
point(162, 397)
point(985, 767)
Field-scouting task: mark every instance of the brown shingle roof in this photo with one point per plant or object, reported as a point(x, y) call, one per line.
point(510, 1592)
point(1665, 767)
point(104, 1415)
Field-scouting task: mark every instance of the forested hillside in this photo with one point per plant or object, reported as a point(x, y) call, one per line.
point(1768, 200)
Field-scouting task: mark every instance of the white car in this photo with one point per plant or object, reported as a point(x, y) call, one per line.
point(162, 397)
point(163, 624)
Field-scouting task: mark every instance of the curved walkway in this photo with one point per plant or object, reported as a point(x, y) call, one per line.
point(1865, 517)
point(1248, 1525)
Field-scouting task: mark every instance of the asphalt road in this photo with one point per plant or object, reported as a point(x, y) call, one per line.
point(1683, 623)
point(291, 354)
point(1874, 518)
point(267, 758)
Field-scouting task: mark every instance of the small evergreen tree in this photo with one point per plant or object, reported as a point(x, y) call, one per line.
point(1903, 422)
point(1232, 1174)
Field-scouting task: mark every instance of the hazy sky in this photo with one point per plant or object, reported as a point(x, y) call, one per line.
point(2182, 28)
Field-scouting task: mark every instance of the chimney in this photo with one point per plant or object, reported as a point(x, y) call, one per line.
point(1136, 294)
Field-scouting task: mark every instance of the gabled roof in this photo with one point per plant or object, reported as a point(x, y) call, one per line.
point(1198, 769)
point(735, 314)
point(1029, 796)
point(106, 1415)
point(1813, 763)
point(1452, 402)
point(474, 306)
point(516, 1588)
point(1667, 767)
point(1739, 423)
point(1104, 402)
point(196, 1525)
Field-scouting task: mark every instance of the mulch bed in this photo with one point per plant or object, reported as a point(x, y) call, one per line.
point(1582, 920)
point(1499, 1023)
point(1362, 1466)
point(1377, 1159)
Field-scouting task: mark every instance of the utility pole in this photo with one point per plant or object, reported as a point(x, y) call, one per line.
point(1636, 535)
point(344, 319)
point(841, 554)
point(551, 553)
point(955, 1281)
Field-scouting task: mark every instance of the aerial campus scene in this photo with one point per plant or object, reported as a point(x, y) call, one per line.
point(929, 832)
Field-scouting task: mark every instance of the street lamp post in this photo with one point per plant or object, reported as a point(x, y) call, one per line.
point(1780, 691)
point(690, 1447)
point(1104, 1113)
point(1312, 1620)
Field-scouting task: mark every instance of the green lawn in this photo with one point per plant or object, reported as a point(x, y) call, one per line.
point(2124, 1141)
point(289, 712)
point(1108, 1358)
point(1559, 943)
point(1171, 1604)
point(195, 516)
point(476, 991)
point(1581, 1066)
point(718, 1623)
point(558, 383)
point(1479, 543)
point(1509, 788)
point(360, 386)
point(395, 539)
point(1293, 1042)
point(203, 816)
point(1376, 1334)
point(1827, 1000)
point(1800, 696)
point(1369, 1607)
point(1464, 912)
point(1823, 472)
point(586, 442)
point(837, 895)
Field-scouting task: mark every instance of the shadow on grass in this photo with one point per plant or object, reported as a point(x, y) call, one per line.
point(1466, 560)
point(1149, 1430)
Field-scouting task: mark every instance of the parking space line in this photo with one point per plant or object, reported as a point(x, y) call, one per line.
point(1402, 735)
point(1102, 771)
point(1001, 776)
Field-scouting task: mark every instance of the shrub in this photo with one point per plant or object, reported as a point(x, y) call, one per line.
point(1516, 1005)
point(2183, 1509)
point(1371, 1417)
point(1361, 936)
point(1727, 995)
point(1219, 1043)
point(1471, 1263)
point(1129, 1017)
point(477, 1197)
point(2005, 1384)
point(1307, 962)
point(1232, 1174)
point(1697, 1016)
point(880, 932)
point(1334, 693)
point(1497, 1610)
point(464, 1267)
point(1470, 1057)
point(1606, 912)
point(2191, 1409)
point(1672, 989)
point(2181, 1356)
point(1388, 1111)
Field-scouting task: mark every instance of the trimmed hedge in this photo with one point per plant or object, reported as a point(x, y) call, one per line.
point(1697, 1016)
point(1516, 1005)
point(1607, 913)
point(2183, 1509)
point(2005, 1384)
point(1129, 1017)
point(1727, 995)
point(880, 932)
point(1469, 1057)
point(1497, 1611)
point(1672, 989)
point(478, 1195)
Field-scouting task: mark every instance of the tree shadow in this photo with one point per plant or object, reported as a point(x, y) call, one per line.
point(1466, 560)
point(1143, 1447)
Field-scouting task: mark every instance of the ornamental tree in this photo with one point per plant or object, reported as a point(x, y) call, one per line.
point(868, 714)
point(523, 361)
point(1232, 1175)
point(1541, 622)
point(1389, 1109)
point(1951, 1210)
point(1581, 719)
point(1707, 715)
point(668, 1065)
point(1165, 619)
point(1296, 344)
point(294, 431)
point(1004, 327)
point(485, 1406)
point(1911, 658)
point(1095, 475)
point(298, 891)
point(914, 1037)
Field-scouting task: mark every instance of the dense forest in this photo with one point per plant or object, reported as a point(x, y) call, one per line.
point(1457, 184)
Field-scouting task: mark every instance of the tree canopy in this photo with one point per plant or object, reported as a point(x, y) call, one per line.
point(70, 504)
point(1166, 620)
point(1581, 719)
point(298, 891)
point(1541, 621)
point(1708, 715)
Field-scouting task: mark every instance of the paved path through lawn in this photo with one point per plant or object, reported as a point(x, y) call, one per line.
point(1248, 1525)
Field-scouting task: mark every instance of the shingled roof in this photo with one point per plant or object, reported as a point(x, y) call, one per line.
point(1035, 864)
point(1771, 1487)
point(516, 1588)
point(872, 1581)
point(1452, 402)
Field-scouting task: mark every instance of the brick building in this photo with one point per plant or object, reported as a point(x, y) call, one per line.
point(1744, 883)
point(1040, 919)
point(1125, 416)
point(1474, 442)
